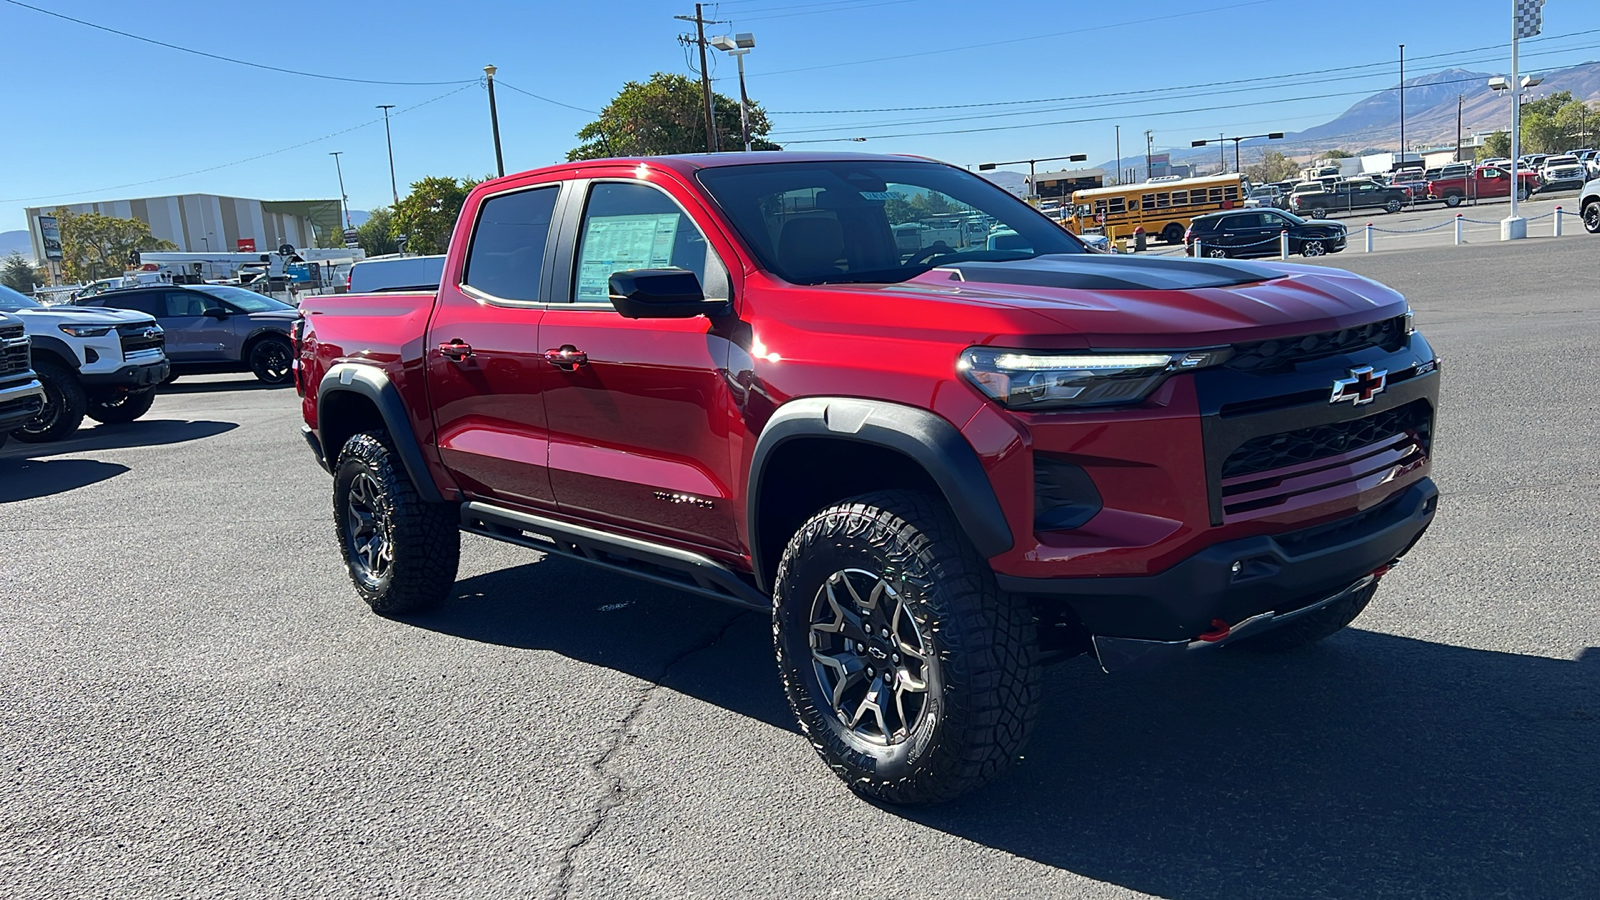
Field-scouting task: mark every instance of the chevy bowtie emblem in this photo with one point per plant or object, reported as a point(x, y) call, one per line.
point(152, 333)
point(1364, 384)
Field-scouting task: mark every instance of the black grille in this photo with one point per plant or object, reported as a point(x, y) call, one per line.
point(1274, 451)
point(13, 351)
point(1283, 353)
point(10, 332)
point(134, 339)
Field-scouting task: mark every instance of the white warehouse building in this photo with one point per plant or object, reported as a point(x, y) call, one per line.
point(211, 223)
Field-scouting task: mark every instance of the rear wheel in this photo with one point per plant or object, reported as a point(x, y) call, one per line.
point(1523, 193)
point(401, 552)
point(1311, 627)
point(912, 675)
point(1172, 234)
point(118, 410)
point(1392, 206)
point(1452, 201)
point(64, 404)
point(270, 359)
point(1319, 212)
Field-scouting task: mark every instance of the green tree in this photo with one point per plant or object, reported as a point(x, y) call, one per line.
point(376, 234)
point(667, 115)
point(1495, 145)
point(97, 246)
point(17, 273)
point(427, 215)
point(1336, 153)
point(1274, 166)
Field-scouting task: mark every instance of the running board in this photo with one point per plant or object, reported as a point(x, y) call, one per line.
point(655, 563)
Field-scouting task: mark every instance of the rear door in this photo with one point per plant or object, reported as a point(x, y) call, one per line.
point(639, 429)
point(193, 336)
point(482, 351)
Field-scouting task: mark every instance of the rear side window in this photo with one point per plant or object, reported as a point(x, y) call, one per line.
point(144, 302)
point(506, 259)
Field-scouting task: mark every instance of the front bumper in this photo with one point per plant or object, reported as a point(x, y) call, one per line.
point(141, 375)
point(19, 403)
point(1241, 579)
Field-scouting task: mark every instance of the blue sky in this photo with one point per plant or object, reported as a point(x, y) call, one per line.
point(104, 112)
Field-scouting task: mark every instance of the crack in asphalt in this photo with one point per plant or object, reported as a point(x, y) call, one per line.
point(612, 792)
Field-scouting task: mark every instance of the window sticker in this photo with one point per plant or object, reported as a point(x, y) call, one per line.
point(618, 243)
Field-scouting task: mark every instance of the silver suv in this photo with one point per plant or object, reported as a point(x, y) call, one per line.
point(214, 327)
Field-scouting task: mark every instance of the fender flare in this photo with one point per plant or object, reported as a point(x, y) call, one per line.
point(929, 440)
point(373, 384)
point(56, 347)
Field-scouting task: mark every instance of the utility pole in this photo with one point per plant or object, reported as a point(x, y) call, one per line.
point(390, 140)
point(700, 23)
point(494, 123)
point(1460, 99)
point(1119, 154)
point(1149, 151)
point(344, 201)
point(1402, 103)
point(1222, 152)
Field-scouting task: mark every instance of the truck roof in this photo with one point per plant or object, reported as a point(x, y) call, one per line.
point(687, 163)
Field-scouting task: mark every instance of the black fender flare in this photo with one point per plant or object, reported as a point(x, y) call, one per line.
point(929, 440)
point(56, 347)
point(374, 385)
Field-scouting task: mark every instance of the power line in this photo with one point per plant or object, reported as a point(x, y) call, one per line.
point(227, 59)
point(814, 12)
point(502, 82)
point(237, 162)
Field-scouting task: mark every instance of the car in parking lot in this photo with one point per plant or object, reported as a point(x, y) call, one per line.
point(1350, 195)
point(1562, 173)
point(1589, 206)
point(214, 327)
point(1258, 233)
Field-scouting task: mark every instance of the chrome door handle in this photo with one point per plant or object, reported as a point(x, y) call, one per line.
point(457, 350)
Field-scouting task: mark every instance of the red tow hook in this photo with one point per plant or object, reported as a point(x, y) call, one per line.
point(1383, 570)
point(1219, 630)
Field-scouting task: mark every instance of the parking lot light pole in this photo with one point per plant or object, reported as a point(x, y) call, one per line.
point(494, 123)
point(1033, 192)
point(389, 139)
point(736, 46)
point(344, 200)
point(1237, 167)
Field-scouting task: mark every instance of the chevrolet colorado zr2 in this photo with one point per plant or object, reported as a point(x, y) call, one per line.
point(935, 467)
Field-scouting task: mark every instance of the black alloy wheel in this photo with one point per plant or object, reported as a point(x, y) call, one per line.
point(1591, 217)
point(64, 404)
point(401, 552)
point(122, 408)
point(366, 532)
point(1392, 206)
point(870, 656)
point(1313, 247)
point(271, 360)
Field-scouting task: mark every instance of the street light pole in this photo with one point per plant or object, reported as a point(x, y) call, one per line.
point(389, 139)
point(1032, 181)
point(737, 46)
point(1402, 103)
point(344, 201)
point(494, 123)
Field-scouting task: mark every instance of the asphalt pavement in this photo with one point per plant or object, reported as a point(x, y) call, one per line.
point(195, 703)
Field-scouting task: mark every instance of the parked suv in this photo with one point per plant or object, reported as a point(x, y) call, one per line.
point(214, 327)
point(21, 394)
point(103, 363)
point(1258, 233)
point(1562, 173)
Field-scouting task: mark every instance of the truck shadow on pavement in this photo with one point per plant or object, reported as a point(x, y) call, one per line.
point(1371, 765)
point(242, 383)
point(25, 476)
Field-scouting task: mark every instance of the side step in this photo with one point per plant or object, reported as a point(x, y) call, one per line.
point(655, 563)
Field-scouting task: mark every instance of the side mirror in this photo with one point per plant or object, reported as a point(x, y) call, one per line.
point(215, 312)
point(661, 294)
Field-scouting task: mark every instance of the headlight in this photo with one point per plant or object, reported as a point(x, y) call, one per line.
point(84, 331)
point(1025, 380)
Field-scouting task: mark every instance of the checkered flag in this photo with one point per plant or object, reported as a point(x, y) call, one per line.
point(1530, 17)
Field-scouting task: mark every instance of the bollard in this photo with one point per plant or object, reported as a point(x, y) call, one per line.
point(1198, 250)
point(1458, 229)
point(1139, 239)
point(1283, 244)
point(1369, 237)
point(1557, 232)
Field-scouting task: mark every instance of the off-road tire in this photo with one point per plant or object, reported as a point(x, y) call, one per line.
point(423, 538)
point(270, 359)
point(123, 409)
point(982, 671)
point(1312, 627)
point(65, 404)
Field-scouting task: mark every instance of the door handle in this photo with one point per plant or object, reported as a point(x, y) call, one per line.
point(457, 350)
point(567, 359)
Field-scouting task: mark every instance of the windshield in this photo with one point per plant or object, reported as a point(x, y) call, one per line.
point(876, 222)
point(248, 301)
point(10, 299)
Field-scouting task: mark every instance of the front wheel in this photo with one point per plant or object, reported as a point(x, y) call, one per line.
point(64, 404)
point(1217, 253)
point(122, 409)
point(912, 675)
point(1392, 206)
point(1319, 213)
point(1313, 248)
point(401, 552)
point(1452, 201)
point(1311, 627)
point(1591, 217)
point(270, 359)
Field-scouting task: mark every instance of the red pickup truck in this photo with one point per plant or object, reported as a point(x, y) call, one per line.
point(1483, 182)
point(934, 466)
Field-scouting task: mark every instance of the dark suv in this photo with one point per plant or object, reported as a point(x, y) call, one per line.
point(1255, 232)
point(214, 327)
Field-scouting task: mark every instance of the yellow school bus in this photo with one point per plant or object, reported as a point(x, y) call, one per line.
point(1163, 207)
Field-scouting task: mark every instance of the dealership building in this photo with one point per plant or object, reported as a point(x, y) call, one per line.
point(210, 223)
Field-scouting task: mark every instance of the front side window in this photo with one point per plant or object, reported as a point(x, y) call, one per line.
point(506, 259)
point(630, 225)
point(877, 221)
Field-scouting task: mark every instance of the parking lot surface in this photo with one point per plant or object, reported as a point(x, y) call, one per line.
point(196, 703)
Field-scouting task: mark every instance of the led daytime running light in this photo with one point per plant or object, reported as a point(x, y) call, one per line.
point(1023, 362)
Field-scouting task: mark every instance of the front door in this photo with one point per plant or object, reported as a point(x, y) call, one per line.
point(483, 354)
point(639, 409)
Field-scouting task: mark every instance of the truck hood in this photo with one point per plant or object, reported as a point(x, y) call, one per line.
point(1130, 301)
point(36, 317)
